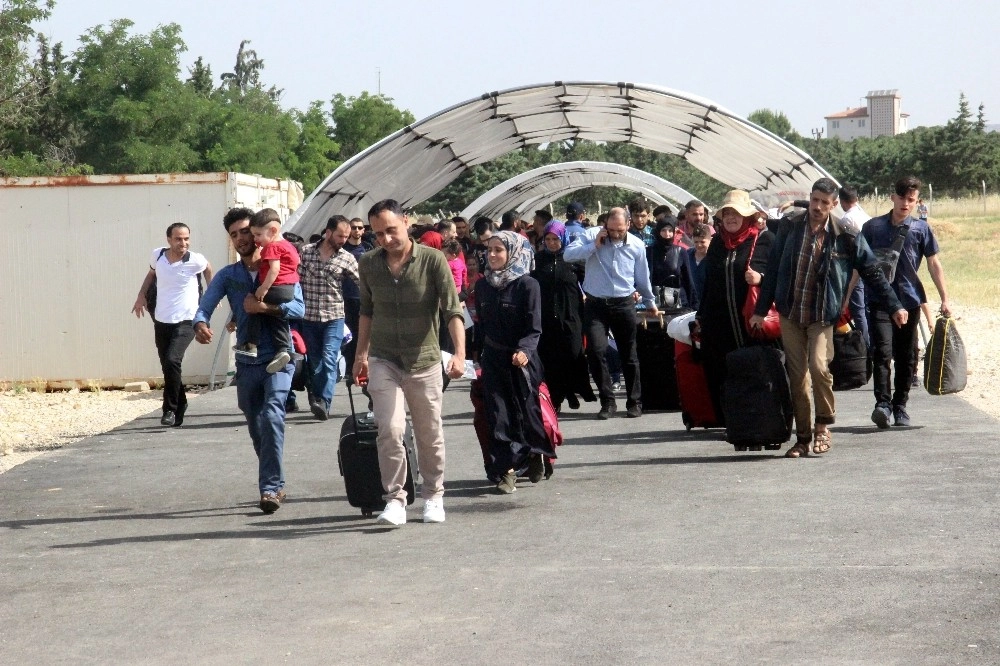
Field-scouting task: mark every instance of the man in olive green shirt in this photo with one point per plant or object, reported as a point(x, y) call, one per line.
point(405, 287)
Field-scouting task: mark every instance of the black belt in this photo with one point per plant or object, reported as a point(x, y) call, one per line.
point(614, 300)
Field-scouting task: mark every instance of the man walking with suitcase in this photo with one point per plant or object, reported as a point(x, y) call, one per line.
point(405, 288)
point(808, 271)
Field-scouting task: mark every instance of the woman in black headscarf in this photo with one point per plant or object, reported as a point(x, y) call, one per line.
point(561, 344)
point(509, 308)
point(669, 267)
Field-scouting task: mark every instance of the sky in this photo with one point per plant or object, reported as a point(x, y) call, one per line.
point(806, 59)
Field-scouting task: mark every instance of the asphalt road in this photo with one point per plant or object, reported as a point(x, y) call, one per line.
point(649, 545)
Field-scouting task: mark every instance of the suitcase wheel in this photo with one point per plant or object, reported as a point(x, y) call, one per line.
point(367, 513)
point(688, 421)
point(772, 447)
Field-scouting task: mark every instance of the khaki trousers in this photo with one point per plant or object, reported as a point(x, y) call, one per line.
point(808, 350)
point(392, 390)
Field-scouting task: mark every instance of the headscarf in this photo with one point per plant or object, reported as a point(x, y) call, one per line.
point(519, 257)
point(432, 239)
point(558, 229)
point(747, 229)
point(665, 222)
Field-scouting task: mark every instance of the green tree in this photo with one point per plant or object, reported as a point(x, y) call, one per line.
point(361, 121)
point(200, 77)
point(776, 123)
point(315, 150)
point(245, 76)
point(132, 111)
point(18, 88)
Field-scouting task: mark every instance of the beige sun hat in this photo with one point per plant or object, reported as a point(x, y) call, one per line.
point(738, 200)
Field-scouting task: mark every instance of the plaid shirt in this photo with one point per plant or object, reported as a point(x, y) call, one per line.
point(321, 282)
point(808, 294)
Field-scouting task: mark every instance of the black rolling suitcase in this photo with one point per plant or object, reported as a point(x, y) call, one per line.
point(357, 457)
point(655, 349)
point(756, 399)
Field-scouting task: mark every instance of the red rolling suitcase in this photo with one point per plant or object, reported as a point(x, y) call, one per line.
point(696, 403)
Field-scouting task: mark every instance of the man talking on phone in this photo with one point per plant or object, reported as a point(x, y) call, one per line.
point(617, 276)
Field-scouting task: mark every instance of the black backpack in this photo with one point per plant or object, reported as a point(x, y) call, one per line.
point(151, 290)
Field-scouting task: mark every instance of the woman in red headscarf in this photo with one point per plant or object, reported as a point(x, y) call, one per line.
point(736, 259)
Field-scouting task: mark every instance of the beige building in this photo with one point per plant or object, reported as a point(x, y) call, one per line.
point(881, 117)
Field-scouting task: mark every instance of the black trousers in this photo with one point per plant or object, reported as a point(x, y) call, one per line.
point(617, 315)
point(278, 294)
point(172, 341)
point(892, 344)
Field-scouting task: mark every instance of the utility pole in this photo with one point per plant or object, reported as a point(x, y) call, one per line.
point(378, 73)
point(817, 133)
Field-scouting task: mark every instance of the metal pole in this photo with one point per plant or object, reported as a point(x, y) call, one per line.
point(984, 197)
point(930, 208)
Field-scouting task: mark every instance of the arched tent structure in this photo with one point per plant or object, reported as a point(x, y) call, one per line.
point(420, 160)
point(539, 187)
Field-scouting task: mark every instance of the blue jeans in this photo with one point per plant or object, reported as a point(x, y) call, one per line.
point(261, 397)
point(322, 340)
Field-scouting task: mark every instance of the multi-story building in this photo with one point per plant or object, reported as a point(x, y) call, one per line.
point(881, 117)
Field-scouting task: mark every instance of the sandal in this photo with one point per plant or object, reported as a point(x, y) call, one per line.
point(821, 441)
point(800, 449)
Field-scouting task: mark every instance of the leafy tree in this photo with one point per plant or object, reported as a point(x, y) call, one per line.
point(316, 150)
point(360, 122)
point(776, 123)
point(18, 89)
point(245, 76)
point(200, 77)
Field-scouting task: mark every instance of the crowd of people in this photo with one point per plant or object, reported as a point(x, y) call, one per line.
point(544, 300)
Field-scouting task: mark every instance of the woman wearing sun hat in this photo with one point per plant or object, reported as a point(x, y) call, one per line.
point(736, 259)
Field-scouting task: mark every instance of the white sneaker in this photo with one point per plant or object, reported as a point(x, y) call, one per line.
point(433, 511)
point(394, 515)
point(281, 359)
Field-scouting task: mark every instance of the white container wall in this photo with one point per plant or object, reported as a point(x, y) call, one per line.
point(78, 251)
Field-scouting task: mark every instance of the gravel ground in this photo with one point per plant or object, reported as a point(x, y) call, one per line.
point(32, 423)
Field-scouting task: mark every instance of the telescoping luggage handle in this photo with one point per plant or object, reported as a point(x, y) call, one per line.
point(354, 414)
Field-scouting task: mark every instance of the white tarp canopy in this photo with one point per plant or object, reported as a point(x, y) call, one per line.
point(420, 160)
point(539, 187)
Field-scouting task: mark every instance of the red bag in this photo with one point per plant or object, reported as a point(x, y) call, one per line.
point(771, 328)
point(549, 417)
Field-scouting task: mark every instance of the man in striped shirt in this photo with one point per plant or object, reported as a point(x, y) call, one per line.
point(323, 266)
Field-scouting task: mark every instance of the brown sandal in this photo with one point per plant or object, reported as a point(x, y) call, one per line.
point(800, 449)
point(821, 441)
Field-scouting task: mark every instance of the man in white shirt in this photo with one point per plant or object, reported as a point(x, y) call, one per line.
point(852, 221)
point(176, 271)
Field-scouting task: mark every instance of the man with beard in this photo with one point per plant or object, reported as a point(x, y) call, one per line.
point(261, 395)
point(325, 266)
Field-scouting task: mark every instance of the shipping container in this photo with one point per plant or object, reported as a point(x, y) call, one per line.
point(77, 253)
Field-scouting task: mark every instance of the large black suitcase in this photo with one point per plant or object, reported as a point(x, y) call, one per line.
point(851, 366)
point(655, 349)
point(756, 400)
point(357, 457)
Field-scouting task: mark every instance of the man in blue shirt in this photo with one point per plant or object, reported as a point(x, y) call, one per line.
point(616, 271)
point(892, 343)
point(261, 395)
point(575, 212)
point(639, 223)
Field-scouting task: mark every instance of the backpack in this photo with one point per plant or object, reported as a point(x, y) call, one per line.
point(151, 290)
